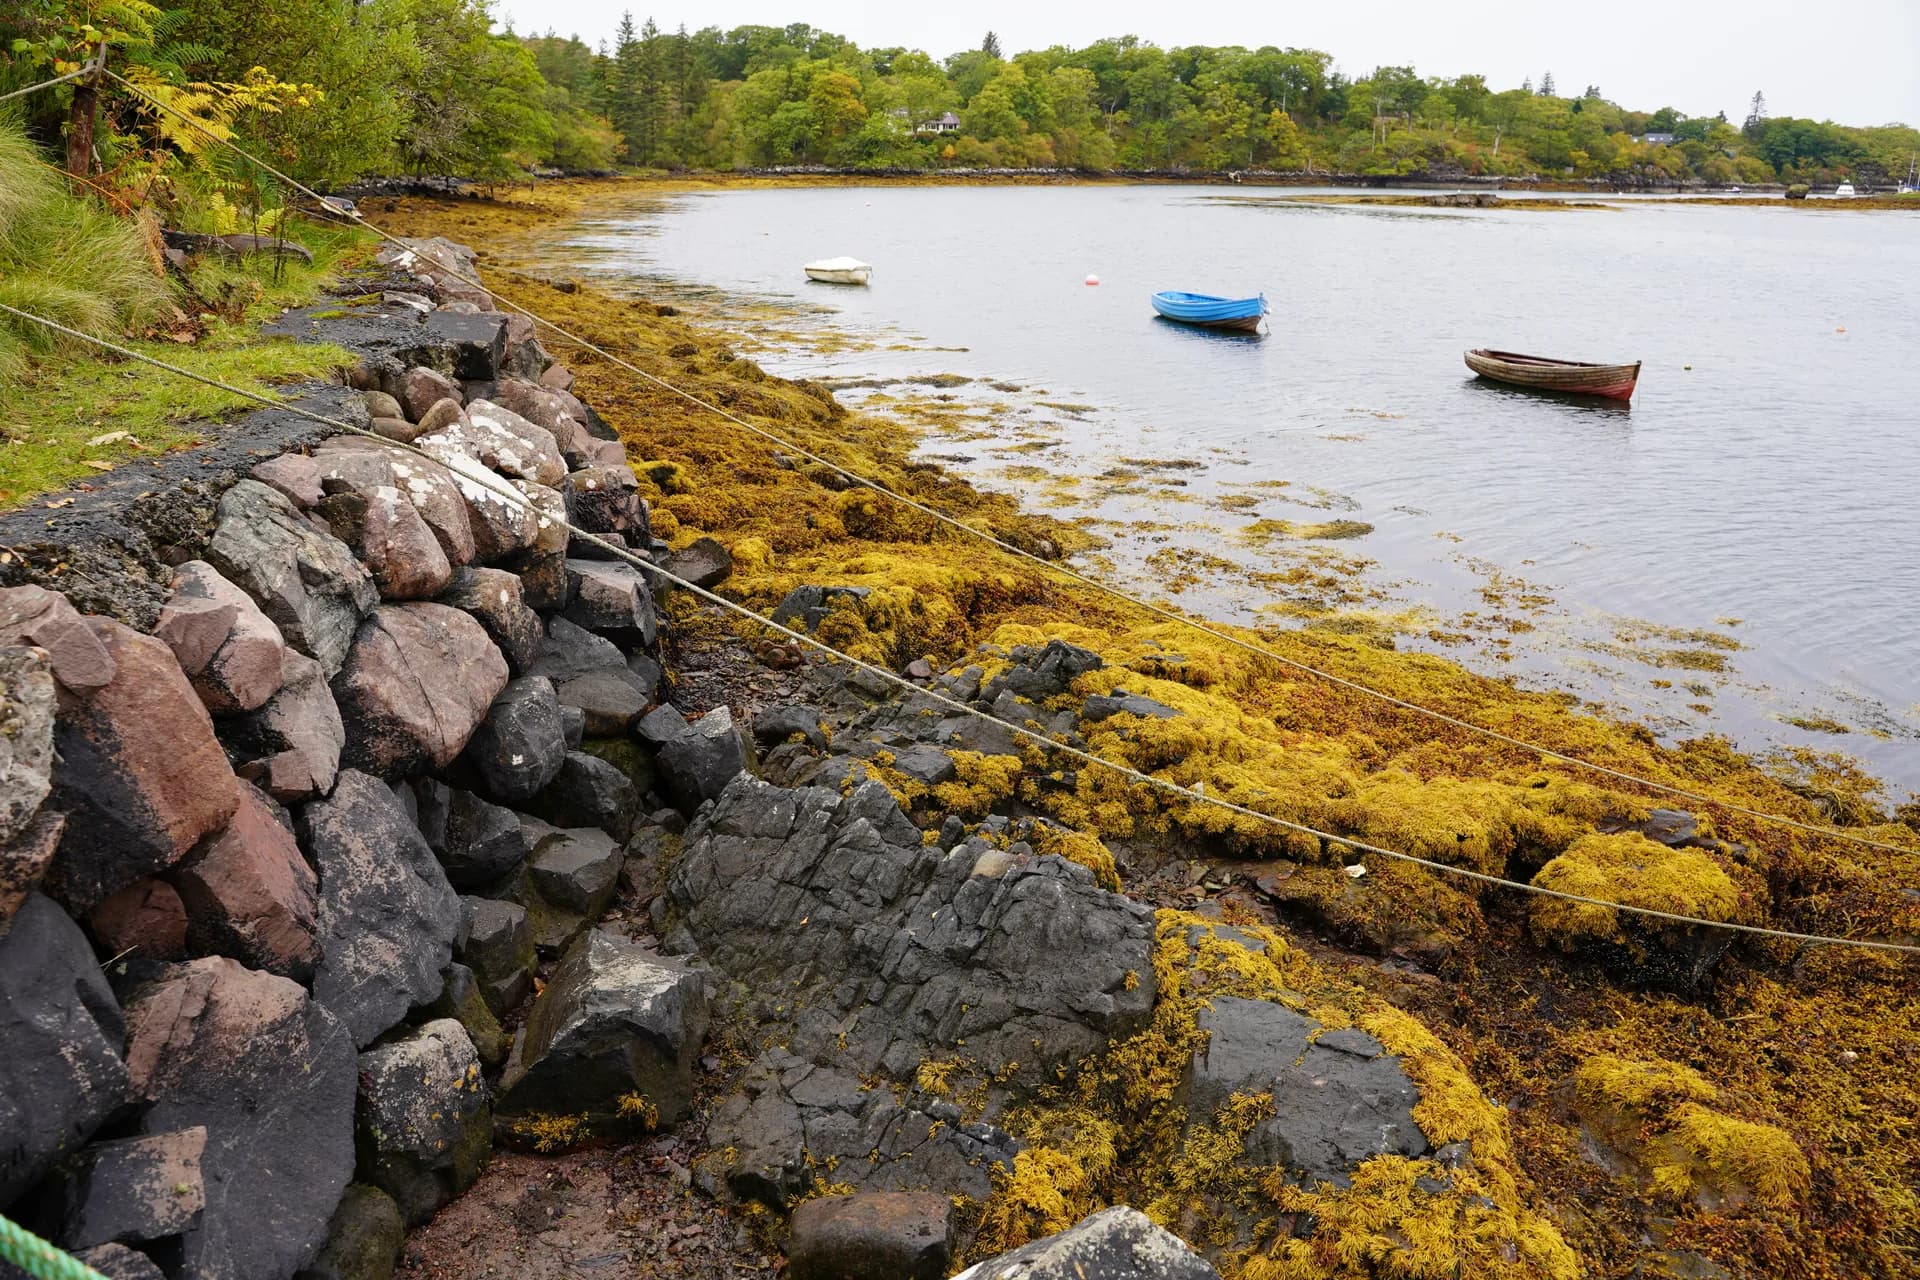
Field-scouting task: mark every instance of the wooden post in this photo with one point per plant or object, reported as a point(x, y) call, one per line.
point(81, 117)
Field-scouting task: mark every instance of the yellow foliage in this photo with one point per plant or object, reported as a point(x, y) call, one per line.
point(548, 1133)
point(983, 782)
point(1080, 847)
point(1631, 870)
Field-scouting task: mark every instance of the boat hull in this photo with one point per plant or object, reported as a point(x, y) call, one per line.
point(839, 275)
point(1612, 381)
point(1209, 312)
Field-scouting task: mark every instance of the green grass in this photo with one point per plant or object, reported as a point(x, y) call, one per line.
point(68, 411)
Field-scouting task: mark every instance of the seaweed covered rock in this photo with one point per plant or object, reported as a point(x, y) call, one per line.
point(61, 1073)
point(270, 1076)
point(1115, 1244)
point(422, 1125)
point(387, 916)
point(1634, 871)
point(610, 1044)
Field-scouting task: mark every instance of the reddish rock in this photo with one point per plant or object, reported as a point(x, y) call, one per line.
point(24, 862)
point(398, 430)
point(270, 1075)
point(542, 566)
point(293, 474)
point(595, 452)
point(250, 894)
point(555, 411)
point(416, 683)
point(496, 600)
point(387, 534)
point(356, 464)
point(142, 777)
point(502, 524)
point(899, 1235)
point(444, 413)
point(146, 918)
point(607, 501)
point(36, 616)
point(132, 1191)
point(557, 378)
point(230, 650)
point(421, 389)
point(290, 746)
point(502, 440)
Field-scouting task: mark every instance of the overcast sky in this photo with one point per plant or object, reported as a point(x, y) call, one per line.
point(1852, 61)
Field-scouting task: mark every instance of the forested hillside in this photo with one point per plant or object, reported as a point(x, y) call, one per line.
point(340, 89)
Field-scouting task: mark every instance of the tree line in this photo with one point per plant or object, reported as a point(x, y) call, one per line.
point(429, 86)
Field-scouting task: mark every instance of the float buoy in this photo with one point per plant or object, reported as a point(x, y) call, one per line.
point(1092, 279)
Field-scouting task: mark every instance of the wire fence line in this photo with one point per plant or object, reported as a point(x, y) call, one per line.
point(1066, 571)
point(48, 84)
point(498, 486)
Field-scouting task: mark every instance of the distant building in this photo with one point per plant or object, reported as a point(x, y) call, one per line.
point(1656, 139)
point(946, 123)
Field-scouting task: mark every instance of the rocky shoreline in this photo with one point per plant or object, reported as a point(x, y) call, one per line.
point(377, 858)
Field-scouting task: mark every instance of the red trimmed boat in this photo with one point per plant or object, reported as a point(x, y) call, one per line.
point(1542, 373)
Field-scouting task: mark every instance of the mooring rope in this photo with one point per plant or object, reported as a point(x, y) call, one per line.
point(39, 1259)
point(89, 69)
point(499, 487)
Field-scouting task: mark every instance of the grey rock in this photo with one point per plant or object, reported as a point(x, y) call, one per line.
point(462, 1000)
point(705, 563)
point(574, 868)
point(807, 606)
point(571, 650)
point(698, 764)
point(662, 725)
point(118, 1262)
point(929, 766)
point(873, 1235)
point(776, 725)
point(422, 1126)
point(1101, 707)
point(387, 916)
point(494, 598)
point(307, 581)
point(478, 341)
point(133, 1191)
point(573, 726)
point(27, 710)
point(519, 748)
point(589, 792)
point(615, 1021)
point(269, 1074)
point(364, 1238)
point(477, 842)
point(61, 1074)
point(290, 746)
point(499, 950)
point(1114, 1244)
point(611, 599)
point(610, 700)
point(1045, 672)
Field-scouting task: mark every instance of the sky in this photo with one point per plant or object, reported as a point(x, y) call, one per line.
point(1850, 61)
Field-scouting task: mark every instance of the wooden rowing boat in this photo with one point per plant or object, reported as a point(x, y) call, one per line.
point(838, 271)
point(1210, 312)
point(1541, 373)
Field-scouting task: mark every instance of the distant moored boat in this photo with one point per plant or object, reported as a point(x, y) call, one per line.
point(839, 271)
point(1210, 312)
point(1542, 373)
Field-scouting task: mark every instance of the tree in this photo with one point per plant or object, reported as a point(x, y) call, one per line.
point(991, 45)
point(1546, 85)
point(1756, 121)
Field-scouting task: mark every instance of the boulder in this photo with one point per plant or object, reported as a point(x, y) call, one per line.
point(61, 1073)
point(133, 1191)
point(421, 389)
point(290, 746)
point(872, 1235)
point(614, 1025)
point(387, 916)
point(231, 652)
point(604, 498)
point(462, 1000)
point(1121, 703)
point(573, 727)
point(589, 792)
point(499, 950)
point(806, 606)
point(706, 563)
point(422, 1126)
point(387, 534)
point(697, 765)
point(28, 836)
point(250, 894)
point(611, 598)
point(478, 341)
point(503, 524)
point(418, 681)
point(142, 779)
point(382, 405)
point(609, 700)
point(524, 356)
point(501, 440)
point(33, 615)
point(571, 650)
point(270, 1077)
point(542, 565)
point(494, 598)
point(1044, 672)
point(354, 464)
point(519, 747)
point(295, 475)
point(398, 430)
point(307, 581)
point(575, 868)
point(776, 725)
point(557, 378)
point(146, 921)
point(1114, 1244)
point(444, 412)
point(476, 842)
point(364, 1238)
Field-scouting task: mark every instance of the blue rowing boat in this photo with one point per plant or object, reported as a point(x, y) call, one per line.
point(1211, 312)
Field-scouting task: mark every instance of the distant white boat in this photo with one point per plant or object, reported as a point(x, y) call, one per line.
point(839, 271)
point(1844, 191)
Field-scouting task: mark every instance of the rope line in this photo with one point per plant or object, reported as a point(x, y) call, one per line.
point(39, 1259)
point(89, 69)
point(498, 486)
point(1442, 717)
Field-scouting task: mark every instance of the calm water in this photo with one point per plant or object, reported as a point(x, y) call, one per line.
point(1762, 488)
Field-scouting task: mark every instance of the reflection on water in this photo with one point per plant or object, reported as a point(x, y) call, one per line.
point(1737, 552)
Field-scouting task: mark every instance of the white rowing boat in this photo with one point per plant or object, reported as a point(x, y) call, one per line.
point(839, 271)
